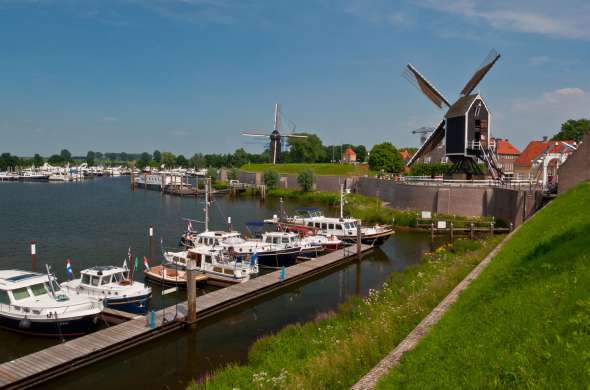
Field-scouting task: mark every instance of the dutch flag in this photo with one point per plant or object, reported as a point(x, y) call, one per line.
point(145, 263)
point(69, 268)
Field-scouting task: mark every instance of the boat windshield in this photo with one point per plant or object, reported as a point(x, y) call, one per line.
point(4, 298)
point(20, 293)
point(39, 289)
point(118, 277)
point(86, 279)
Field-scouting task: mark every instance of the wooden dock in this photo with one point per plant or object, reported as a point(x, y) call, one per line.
point(61, 359)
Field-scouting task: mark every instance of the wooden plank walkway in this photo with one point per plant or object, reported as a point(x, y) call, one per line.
point(60, 359)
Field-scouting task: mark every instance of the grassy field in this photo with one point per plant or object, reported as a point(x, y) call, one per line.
point(525, 322)
point(367, 209)
point(317, 169)
point(335, 351)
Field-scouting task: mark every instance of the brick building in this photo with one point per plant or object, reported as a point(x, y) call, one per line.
point(506, 154)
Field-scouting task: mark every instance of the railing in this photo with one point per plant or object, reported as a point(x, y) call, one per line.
point(440, 181)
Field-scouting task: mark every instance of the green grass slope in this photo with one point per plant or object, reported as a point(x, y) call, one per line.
point(525, 322)
point(317, 169)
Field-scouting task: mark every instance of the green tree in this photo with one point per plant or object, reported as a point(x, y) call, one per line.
point(8, 161)
point(213, 174)
point(124, 156)
point(55, 159)
point(361, 153)
point(157, 156)
point(65, 155)
point(144, 160)
point(308, 149)
point(233, 174)
point(168, 159)
point(239, 158)
point(90, 158)
point(181, 161)
point(37, 160)
point(197, 161)
point(305, 180)
point(271, 179)
point(385, 157)
point(573, 130)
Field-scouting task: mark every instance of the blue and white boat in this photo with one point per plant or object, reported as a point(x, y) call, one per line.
point(33, 303)
point(112, 286)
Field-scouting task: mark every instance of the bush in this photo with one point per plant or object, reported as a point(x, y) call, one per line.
point(305, 180)
point(271, 179)
point(233, 174)
point(212, 173)
point(386, 157)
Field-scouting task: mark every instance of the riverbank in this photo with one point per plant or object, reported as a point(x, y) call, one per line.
point(336, 349)
point(369, 209)
point(525, 322)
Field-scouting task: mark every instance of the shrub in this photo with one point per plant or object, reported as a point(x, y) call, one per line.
point(271, 179)
point(305, 180)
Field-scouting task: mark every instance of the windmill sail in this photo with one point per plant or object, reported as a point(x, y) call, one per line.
point(255, 134)
point(433, 140)
point(420, 82)
point(480, 73)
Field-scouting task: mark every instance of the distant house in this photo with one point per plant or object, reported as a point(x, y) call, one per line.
point(435, 156)
point(540, 160)
point(349, 156)
point(405, 155)
point(506, 154)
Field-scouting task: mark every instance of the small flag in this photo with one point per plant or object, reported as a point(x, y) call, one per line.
point(136, 264)
point(125, 263)
point(146, 264)
point(69, 268)
point(189, 228)
point(129, 254)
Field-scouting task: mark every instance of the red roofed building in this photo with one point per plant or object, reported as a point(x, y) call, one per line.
point(349, 156)
point(540, 160)
point(506, 154)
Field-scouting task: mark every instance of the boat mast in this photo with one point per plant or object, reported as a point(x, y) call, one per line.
point(207, 204)
point(50, 281)
point(341, 201)
point(276, 128)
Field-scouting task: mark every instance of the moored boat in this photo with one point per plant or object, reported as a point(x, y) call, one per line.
point(112, 286)
point(35, 304)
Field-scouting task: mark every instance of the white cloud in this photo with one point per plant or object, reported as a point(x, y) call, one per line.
point(109, 119)
point(565, 19)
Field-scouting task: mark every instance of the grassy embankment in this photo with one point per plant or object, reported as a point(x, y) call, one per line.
point(335, 351)
point(525, 322)
point(368, 209)
point(318, 169)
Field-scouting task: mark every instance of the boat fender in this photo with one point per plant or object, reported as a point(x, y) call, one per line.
point(25, 323)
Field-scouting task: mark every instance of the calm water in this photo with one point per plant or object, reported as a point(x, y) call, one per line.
point(96, 221)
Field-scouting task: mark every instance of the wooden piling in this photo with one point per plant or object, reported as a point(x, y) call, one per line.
point(492, 229)
point(191, 292)
point(432, 231)
point(471, 231)
point(358, 240)
point(33, 256)
point(132, 175)
point(151, 242)
point(451, 232)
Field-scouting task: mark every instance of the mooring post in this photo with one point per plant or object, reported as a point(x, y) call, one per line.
point(511, 226)
point(432, 231)
point(282, 273)
point(491, 228)
point(451, 232)
point(33, 256)
point(358, 239)
point(191, 292)
point(150, 242)
point(471, 232)
point(132, 176)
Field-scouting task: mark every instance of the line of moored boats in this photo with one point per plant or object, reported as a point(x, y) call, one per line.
point(36, 303)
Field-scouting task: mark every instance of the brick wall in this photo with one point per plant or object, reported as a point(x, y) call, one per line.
point(576, 168)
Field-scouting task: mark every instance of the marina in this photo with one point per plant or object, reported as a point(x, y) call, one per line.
point(171, 225)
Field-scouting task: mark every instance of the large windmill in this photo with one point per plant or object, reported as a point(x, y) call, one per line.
point(465, 126)
point(275, 137)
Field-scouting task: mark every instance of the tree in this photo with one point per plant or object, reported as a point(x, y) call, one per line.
point(98, 156)
point(212, 173)
point(157, 156)
point(168, 159)
point(144, 160)
point(124, 156)
point(305, 180)
point(308, 149)
point(181, 161)
point(233, 174)
point(65, 155)
point(55, 159)
point(573, 130)
point(271, 179)
point(90, 158)
point(37, 160)
point(197, 161)
point(385, 157)
point(8, 161)
point(361, 153)
point(239, 158)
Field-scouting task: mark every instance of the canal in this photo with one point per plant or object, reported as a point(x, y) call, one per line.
point(95, 222)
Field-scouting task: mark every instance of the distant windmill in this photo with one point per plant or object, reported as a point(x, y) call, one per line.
point(465, 126)
point(275, 137)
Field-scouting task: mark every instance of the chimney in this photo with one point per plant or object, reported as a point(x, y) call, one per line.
point(544, 138)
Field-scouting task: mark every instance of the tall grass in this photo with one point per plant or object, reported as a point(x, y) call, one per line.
point(525, 322)
point(335, 351)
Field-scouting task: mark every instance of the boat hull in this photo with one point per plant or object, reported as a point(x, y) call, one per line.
point(70, 327)
point(135, 305)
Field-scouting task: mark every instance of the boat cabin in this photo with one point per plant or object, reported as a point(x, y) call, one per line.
point(22, 287)
point(280, 238)
point(213, 238)
point(104, 275)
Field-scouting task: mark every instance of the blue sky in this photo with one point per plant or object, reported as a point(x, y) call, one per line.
point(189, 75)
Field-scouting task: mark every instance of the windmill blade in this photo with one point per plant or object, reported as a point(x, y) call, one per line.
point(415, 78)
point(294, 136)
point(433, 140)
point(255, 134)
point(480, 73)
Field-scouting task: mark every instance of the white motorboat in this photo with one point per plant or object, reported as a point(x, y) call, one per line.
point(34, 303)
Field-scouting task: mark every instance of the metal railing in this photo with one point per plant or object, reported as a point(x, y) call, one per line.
point(45, 311)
